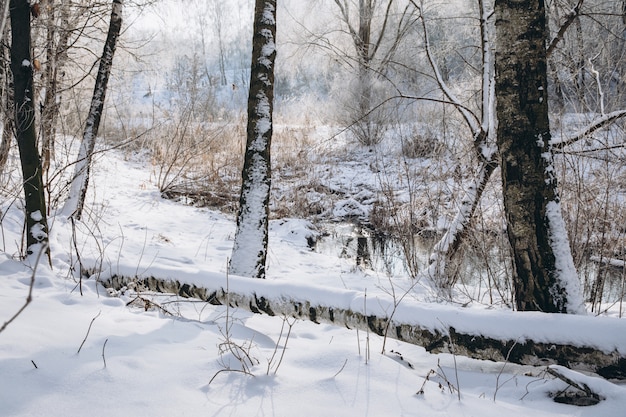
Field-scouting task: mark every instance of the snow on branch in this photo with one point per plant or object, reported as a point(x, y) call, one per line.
point(597, 124)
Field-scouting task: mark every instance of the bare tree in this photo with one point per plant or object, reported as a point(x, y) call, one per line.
point(250, 246)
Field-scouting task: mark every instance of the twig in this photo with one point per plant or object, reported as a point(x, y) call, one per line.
point(342, 366)
point(280, 336)
point(29, 297)
point(579, 386)
point(147, 303)
point(506, 360)
point(88, 330)
point(367, 337)
point(103, 358)
point(34, 364)
point(285, 345)
point(80, 263)
point(426, 379)
point(453, 351)
point(230, 370)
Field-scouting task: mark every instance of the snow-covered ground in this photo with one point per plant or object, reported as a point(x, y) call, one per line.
point(158, 355)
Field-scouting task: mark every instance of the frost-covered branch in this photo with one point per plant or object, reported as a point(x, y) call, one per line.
point(469, 117)
point(445, 248)
point(595, 125)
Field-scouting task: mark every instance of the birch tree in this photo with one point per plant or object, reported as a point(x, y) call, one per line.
point(22, 69)
point(80, 181)
point(250, 246)
point(544, 275)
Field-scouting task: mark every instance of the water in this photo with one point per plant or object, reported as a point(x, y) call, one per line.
point(481, 270)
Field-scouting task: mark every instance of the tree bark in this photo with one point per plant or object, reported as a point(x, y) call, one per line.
point(544, 276)
point(6, 104)
point(22, 68)
point(80, 181)
point(539, 339)
point(250, 246)
point(57, 36)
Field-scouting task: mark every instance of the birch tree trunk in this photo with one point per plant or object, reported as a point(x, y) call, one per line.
point(22, 68)
point(544, 276)
point(250, 246)
point(504, 336)
point(80, 181)
point(483, 130)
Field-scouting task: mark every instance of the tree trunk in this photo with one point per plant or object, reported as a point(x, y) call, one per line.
point(80, 181)
point(22, 68)
point(250, 246)
point(6, 105)
point(56, 46)
point(544, 276)
point(484, 138)
point(445, 249)
point(522, 338)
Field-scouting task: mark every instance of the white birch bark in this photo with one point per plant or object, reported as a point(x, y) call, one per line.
point(523, 338)
point(250, 246)
point(80, 180)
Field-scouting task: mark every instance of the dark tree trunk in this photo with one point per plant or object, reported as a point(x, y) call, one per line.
point(22, 68)
point(80, 180)
point(542, 280)
point(250, 246)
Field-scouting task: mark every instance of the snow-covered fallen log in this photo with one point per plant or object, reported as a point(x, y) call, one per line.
point(596, 344)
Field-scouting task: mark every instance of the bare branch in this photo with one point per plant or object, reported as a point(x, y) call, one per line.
point(597, 124)
point(470, 118)
point(29, 297)
point(569, 19)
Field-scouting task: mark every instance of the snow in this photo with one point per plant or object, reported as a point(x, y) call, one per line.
point(564, 263)
point(139, 360)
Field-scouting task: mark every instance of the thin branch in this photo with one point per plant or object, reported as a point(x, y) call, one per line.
point(589, 129)
point(570, 18)
point(29, 297)
point(104, 360)
point(88, 330)
point(230, 370)
point(397, 97)
point(470, 118)
point(342, 366)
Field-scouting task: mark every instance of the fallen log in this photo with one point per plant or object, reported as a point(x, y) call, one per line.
point(587, 343)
